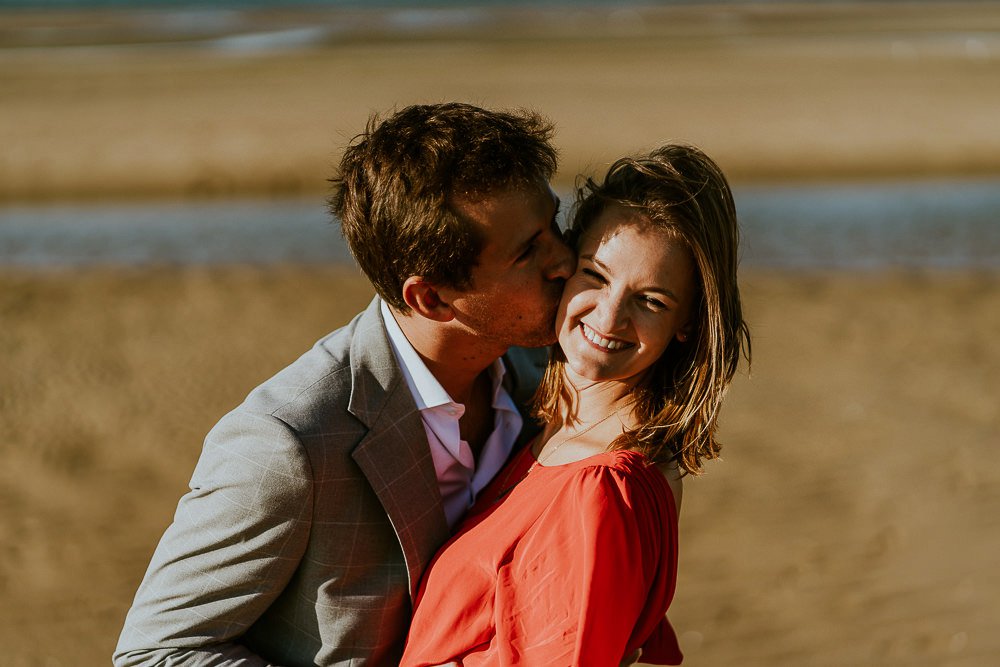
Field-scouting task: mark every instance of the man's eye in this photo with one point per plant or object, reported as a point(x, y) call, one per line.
point(528, 252)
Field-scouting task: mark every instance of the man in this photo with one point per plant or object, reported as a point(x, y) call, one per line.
point(318, 502)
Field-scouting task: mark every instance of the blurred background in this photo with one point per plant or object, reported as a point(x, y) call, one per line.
point(164, 247)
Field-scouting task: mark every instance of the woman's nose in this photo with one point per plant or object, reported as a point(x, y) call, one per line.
point(610, 314)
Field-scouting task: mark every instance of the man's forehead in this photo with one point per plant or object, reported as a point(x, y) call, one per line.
point(511, 208)
point(500, 191)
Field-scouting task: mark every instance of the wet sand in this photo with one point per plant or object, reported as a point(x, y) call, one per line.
point(853, 520)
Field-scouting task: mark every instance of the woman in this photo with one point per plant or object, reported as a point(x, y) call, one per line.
point(569, 556)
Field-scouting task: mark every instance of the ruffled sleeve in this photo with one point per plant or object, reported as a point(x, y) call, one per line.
point(592, 580)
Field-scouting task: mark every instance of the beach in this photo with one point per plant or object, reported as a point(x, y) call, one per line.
point(853, 519)
point(771, 91)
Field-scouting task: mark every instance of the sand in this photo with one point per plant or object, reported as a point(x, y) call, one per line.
point(771, 91)
point(854, 519)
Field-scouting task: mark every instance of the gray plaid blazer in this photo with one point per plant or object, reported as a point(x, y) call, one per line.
point(313, 511)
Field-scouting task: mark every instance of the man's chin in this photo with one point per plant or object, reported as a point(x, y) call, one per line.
point(539, 340)
point(542, 335)
point(537, 343)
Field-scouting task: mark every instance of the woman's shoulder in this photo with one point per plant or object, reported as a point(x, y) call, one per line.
point(622, 461)
point(623, 472)
point(617, 495)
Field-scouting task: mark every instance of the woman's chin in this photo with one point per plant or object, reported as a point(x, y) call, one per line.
point(581, 373)
point(587, 372)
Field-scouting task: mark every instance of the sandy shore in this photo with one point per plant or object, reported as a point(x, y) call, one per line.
point(774, 91)
point(852, 522)
point(854, 518)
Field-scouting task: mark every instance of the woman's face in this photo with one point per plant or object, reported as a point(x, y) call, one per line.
point(630, 297)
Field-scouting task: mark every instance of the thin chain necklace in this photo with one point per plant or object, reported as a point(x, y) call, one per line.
point(576, 435)
point(538, 462)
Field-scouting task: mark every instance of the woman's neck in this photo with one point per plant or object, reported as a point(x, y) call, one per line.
point(599, 413)
point(595, 399)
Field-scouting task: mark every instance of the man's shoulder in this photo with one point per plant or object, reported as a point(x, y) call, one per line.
point(321, 374)
point(535, 357)
point(526, 366)
point(318, 385)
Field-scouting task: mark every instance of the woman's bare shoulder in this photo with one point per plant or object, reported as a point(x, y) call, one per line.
point(672, 472)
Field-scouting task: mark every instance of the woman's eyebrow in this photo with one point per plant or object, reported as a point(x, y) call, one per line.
point(666, 291)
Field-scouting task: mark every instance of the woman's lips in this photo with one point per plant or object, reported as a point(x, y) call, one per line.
point(603, 343)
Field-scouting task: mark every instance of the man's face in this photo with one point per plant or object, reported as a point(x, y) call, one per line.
point(518, 279)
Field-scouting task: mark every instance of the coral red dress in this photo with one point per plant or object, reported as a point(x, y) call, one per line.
point(574, 565)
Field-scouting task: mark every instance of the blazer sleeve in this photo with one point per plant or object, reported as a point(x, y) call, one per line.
point(236, 540)
point(579, 589)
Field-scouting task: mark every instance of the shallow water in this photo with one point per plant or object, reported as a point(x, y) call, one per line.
point(943, 224)
point(939, 224)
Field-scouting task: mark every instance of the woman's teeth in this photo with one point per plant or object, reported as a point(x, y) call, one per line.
point(601, 341)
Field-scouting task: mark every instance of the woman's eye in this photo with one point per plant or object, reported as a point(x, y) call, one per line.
point(590, 273)
point(655, 304)
point(528, 252)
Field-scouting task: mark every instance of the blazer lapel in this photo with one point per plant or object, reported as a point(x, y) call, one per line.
point(394, 455)
point(525, 367)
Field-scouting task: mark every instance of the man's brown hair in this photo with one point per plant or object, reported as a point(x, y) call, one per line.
point(397, 182)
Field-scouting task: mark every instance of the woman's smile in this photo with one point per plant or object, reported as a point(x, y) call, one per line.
point(628, 300)
point(603, 343)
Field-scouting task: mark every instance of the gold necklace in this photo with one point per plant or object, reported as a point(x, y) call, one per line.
point(556, 447)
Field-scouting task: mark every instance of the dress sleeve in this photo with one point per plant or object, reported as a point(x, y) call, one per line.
point(582, 587)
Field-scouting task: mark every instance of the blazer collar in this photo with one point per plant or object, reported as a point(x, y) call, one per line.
point(525, 367)
point(394, 455)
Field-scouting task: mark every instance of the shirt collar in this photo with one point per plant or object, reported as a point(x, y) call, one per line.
point(427, 391)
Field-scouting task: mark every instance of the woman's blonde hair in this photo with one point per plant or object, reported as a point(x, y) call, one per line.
point(681, 190)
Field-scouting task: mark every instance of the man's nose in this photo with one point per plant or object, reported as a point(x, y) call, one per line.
point(562, 260)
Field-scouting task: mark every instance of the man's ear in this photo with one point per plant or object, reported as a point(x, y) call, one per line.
point(424, 299)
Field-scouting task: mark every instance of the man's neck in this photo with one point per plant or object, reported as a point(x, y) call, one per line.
point(460, 363)
point(455, 358)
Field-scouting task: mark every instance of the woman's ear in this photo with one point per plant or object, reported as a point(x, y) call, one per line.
point(683, 333)
point(424, 299)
